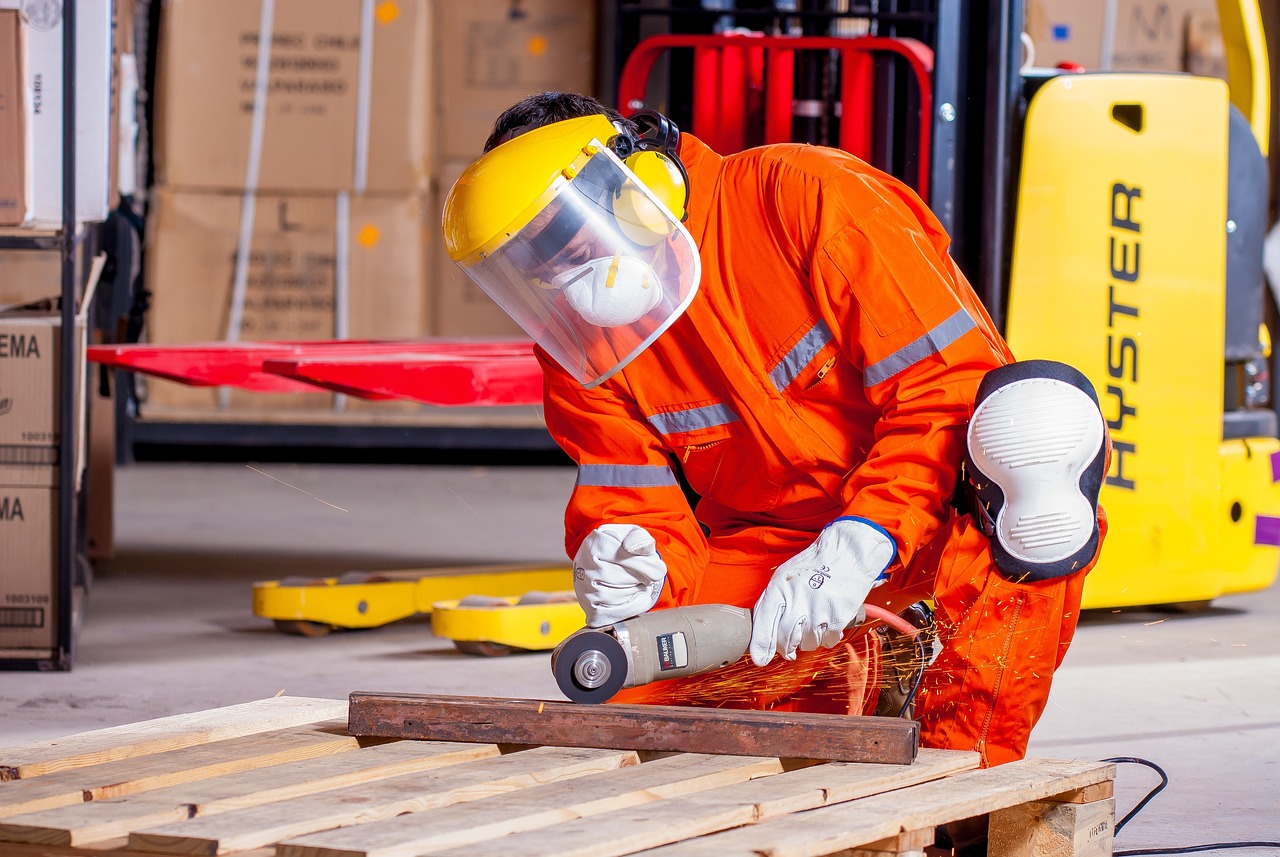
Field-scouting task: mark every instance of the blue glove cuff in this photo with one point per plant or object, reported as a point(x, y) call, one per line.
point(873, 525)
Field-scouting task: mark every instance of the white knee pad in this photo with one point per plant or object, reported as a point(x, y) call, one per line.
point(1036, 459)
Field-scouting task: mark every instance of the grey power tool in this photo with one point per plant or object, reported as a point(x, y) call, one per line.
point(593, 664)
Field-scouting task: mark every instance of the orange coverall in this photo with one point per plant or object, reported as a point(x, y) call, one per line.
point(827, 366)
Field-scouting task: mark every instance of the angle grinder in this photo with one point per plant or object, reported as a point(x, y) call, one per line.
point(593, 664)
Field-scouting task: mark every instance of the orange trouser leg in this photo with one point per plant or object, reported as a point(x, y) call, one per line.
point(1002, 642)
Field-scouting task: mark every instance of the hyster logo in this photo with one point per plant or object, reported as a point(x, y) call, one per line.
point(11, 509)
point(1124, 266)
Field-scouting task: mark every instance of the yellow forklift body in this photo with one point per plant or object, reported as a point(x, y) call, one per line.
point(1118, 268)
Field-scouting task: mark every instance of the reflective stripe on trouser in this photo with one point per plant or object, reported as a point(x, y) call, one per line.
point(1002, 643)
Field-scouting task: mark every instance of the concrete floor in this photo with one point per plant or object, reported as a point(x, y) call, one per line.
point(168, 628)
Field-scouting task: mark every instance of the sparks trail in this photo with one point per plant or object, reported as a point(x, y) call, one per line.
point(295, 488)
point(464, 502)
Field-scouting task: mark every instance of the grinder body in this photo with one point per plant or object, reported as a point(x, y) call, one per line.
point(593, 664)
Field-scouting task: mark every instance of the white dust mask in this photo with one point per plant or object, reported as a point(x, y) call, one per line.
point(611, 292)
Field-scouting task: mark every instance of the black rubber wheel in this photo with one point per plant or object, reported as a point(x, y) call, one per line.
point(485, 648)
point(302, 628)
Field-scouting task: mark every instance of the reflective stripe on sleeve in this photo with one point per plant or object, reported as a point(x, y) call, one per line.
point(800, 356)
point(625, 475)
point(930, 343)
point(707, 416)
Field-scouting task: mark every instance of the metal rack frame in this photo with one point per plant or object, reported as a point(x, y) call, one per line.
point(67, 241)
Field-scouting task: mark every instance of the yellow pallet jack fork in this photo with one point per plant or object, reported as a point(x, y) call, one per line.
point(314, 606)
point(482, 625)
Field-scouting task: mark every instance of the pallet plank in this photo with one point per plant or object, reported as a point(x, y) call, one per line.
point(97, 821)
point(886, 740)
point(164, 733)
point(260, 826)
point(633, 829)
point(833, 828)
point(157, 770)
point(662, 779)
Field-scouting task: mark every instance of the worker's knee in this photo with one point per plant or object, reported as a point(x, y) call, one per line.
point(1036, 458)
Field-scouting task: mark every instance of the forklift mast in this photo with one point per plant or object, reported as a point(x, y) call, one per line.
point(973, 113)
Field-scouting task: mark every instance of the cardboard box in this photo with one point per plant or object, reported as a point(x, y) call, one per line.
point(1124, 35)
point(459, 306)
point(30, 388)
point(328, 124)
point(493, 53)
point(13, 147)
point(30, 406)
point(42, 78)
point(28, 566)
point(292, 274)
point(29, 275)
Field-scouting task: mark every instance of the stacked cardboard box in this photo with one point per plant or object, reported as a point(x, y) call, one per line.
point(31, 137)
point(492, 54)
point(30, 445)
point(1128, 35)
point(302, 172)
point(295, 158)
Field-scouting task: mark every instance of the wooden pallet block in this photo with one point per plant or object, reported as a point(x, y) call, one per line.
point(308, 789)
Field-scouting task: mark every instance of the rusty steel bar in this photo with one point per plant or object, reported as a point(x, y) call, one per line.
point(829, 737)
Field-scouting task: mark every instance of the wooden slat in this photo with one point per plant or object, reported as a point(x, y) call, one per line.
point(164, 733)
point(102, 820)
point(888, 740)
point(669, 778)
point(847, 825)
point(253, 828)
point(630, 830)
point(157, 770)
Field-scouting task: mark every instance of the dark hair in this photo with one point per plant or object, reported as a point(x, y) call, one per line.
point(546, 108)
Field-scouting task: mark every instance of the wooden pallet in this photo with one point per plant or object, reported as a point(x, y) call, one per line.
point(283, 777)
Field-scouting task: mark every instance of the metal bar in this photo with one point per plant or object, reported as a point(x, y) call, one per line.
point(68, 412)
point(1003, 87)
point(945, 117)
point(835, 737)
point(780, 73)
point(332, 437)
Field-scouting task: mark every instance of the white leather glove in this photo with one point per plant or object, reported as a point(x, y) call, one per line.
point(819, 592)
point(617, 573)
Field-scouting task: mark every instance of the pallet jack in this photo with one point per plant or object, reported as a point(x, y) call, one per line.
point(314, 607)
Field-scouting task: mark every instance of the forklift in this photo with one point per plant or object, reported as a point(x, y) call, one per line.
point(1110, 220)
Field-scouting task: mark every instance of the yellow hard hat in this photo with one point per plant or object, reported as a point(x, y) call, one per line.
point(506, 188)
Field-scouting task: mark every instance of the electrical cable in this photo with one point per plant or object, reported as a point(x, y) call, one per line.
point(1164, 781)
point(915, 685)
point(1187, 849)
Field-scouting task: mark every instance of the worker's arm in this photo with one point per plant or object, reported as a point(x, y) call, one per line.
point(900, 309)
point(624, 478)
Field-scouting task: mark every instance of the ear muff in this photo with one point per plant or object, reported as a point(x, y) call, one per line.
point(652, 157)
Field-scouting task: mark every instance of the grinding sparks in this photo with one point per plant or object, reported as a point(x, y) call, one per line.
point(295, 488)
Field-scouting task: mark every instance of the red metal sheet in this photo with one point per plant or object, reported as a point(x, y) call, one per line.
point(240, 364)
point(433, 379)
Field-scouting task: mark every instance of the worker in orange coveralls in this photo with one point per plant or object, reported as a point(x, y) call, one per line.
point(783, 330)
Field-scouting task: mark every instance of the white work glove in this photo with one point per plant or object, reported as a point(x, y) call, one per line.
point(617, 573)
point(819, 592)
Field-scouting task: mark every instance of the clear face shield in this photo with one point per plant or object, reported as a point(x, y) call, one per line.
point(598, 273)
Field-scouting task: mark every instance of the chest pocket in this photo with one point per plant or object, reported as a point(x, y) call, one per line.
point(719, 458)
